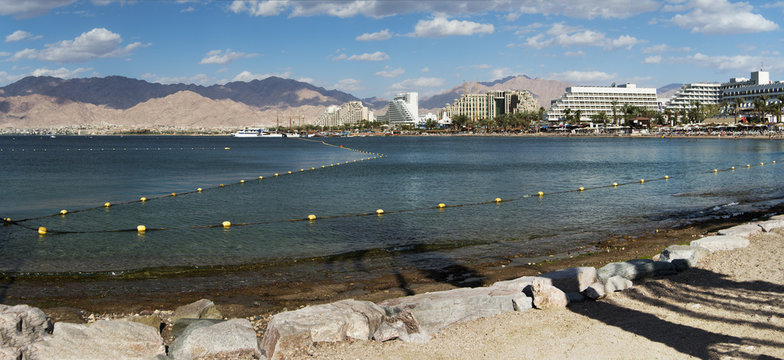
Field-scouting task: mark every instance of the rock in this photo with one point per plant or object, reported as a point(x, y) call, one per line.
point(518, 284)
point(202, 309)
point(328, 322)
point(721, 242)
point(691, 254)
point(22, 324)
point(744, 230)
point(617, 283)
point(595, 291)
point(777, 217)
point(768, 226)
point(522, 303)
point(635, 269)
point(574, 279)
point(153, 321)
point(400, 324)
point(232, 339)
point(436, 310)
point(104, 339)
point(182, 324)
point(547, 296)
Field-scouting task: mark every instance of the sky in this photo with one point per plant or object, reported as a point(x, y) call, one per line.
point(381, 47)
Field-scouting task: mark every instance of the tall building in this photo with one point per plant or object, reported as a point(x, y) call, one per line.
point(747, 90)
point(403, 110)
point(691, 94)
point(592, 100)
point(349, 113)
point(491, 104)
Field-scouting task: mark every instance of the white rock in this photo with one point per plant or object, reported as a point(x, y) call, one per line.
point(691, 254)
point(617, 283)
point(744, 230)
point(721, 242)
point(595, 291)
point(232, 339)
point(202, 309)
point(769, 225)
point(574, 279)
point(21, 325)
point(547, 296)
point(635, 269)
point(104, 339)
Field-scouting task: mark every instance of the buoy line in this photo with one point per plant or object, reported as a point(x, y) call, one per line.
point(105, 149)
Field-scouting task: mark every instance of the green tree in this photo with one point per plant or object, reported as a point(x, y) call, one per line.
point(459, 122)
point(779, 105)
point(614, 103)
point(761, 105)
point(737, 103)
point(600, 118)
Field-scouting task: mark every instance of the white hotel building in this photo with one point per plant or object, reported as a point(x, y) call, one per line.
point(691, 94)
point(592, 100)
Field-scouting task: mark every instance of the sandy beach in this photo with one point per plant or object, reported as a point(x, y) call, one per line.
point(730, 306)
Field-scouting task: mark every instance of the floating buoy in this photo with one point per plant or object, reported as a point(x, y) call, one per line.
point(540, 194)
point(748, 165)
point(666, 177)
point(221, 185)
point(642, 181)
point(276, 174)
point(198, 190)
point(311, 217)
point(441, 205)
point(312, 168)
point(581, 188)
point(226, 148)
point(141, 228)
point(715, 170)
point(107, 204)
point(226, 224)
point(732, 168)
point(762, 164)
point(774, 161)
point(322, 166)
point(301, 170)
point(261, 177)
point(379, 211)
point(63, 212)
point(174, 194)
point(497, 200)
point(143, 199)
point(242, 181)
point(615, 184)
point(41, 230)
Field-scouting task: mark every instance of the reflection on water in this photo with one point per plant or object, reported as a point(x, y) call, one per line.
point(43, 175)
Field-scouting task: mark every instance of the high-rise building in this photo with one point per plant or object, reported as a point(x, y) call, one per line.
point(491, 104)
point(592, 100)
point(403, 110)
point(748, 90)
point(349, 113)
point(690, 95)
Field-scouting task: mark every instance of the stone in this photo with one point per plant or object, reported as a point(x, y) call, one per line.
point(744, 230)
point(153, 321)
point(518, 284)
point(768, 226)
point(400, 324)
point(104, 339)
point(202, 309)
point(595, 291)
point(232, 339)
point(691, 254)
point(721, 242)
point(21, 325)
point(574, 279)
point(522, 303)
point(182, 324)
point(332, 322)
point(776, 217)
point(617, 283)
point(635, 269)
point(547, 296)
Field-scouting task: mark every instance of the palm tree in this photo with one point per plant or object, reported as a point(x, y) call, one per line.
point(614, 103)
point(779, 106)
point(737, 102)
point(568, 115)
point(761, 104)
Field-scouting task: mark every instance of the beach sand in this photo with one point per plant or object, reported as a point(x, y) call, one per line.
point(730, 306)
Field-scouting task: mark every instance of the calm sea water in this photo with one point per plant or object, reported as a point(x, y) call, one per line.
point(40, 176)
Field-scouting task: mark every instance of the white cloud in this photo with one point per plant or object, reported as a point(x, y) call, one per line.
point(482, 66)
point(29, 8)
point(259, 8)
point(4, 53)
point(188, 9)
point(661, 48)
point(418, 83)
point(425, 69)
point(20, 35)
point(737, 63)
point(720, 17)
point(306, 80)
point(96, 43)
point(577, 53)
point(249, 76)
point(587, 9)
point(571, 36)
point(339, 57)
point(62, 72)
point(584, 76)
point(198, 79)
point(348, 85)
point(224, 57)
point(656, 59)
point(6, 78)
point(376, 56)
point(501, 73)
point(376, 36)
point(391, 73)
point(440, 27)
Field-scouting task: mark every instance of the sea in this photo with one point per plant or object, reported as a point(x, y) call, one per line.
point(489, 187)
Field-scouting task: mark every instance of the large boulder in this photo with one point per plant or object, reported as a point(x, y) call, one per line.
point(104, 339)
point(332, 322)
point(721, 242)
point(690, 254)
point(572, 280)
point(232, 339)
point(202, 309)
point(518, 284)
point(20, 325)
point(744, 230)
point(547, 296)
point(770, 225)
point(635, 269)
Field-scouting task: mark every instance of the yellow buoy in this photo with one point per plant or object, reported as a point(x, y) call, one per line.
point(141, 228)
point(497, 200)
point(312, 168)
point(540, 194)
point(581, 188)
point(774, 161)
point(301, 170)
point(261, 177)
point(107, 204)
point(762, 163)
point(642, 181)
point(276, 174)
point(41, 230)
point(666, 177)
point(615, 184)
point(226, 148)
point(732, 168)
point(226, 224)
point(322, 166)
point(142, 199)
point(748, 165)
point(441, 205)
point(715, 170)
point(198, 190)
point(221, 185)
point(174, 194)
point(242, 181)
point(379, 211)
point(289, 172)
point(311, 217)
point(63, 212)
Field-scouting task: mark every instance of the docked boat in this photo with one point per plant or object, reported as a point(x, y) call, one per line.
point(257, 133)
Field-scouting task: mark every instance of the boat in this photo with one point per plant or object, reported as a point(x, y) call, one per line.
point(256, 133)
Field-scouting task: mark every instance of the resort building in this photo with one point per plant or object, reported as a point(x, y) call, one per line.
point(692, 94)
point(402, 110)
point(348, 114)
point(592, 100)
point(748, 90)
point(490, 104)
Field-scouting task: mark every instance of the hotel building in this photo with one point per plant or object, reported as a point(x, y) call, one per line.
point(691, 94)
point(750, 89)
point(350, 113)
point(403, 110)
point(490, 104)
point(592, 100)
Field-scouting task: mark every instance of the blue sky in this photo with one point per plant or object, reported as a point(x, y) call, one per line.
point(377, 48)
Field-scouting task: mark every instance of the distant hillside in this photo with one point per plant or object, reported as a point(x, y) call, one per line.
point(119, 92)
point(668, 91)
point(542, 90)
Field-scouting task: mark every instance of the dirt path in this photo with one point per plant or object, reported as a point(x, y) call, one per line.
point(731, 306)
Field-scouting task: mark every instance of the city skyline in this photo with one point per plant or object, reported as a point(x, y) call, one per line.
point(379, 48)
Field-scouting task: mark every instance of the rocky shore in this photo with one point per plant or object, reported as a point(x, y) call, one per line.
point(438, 324)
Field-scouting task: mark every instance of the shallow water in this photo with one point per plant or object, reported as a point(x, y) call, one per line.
point(42, 175)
